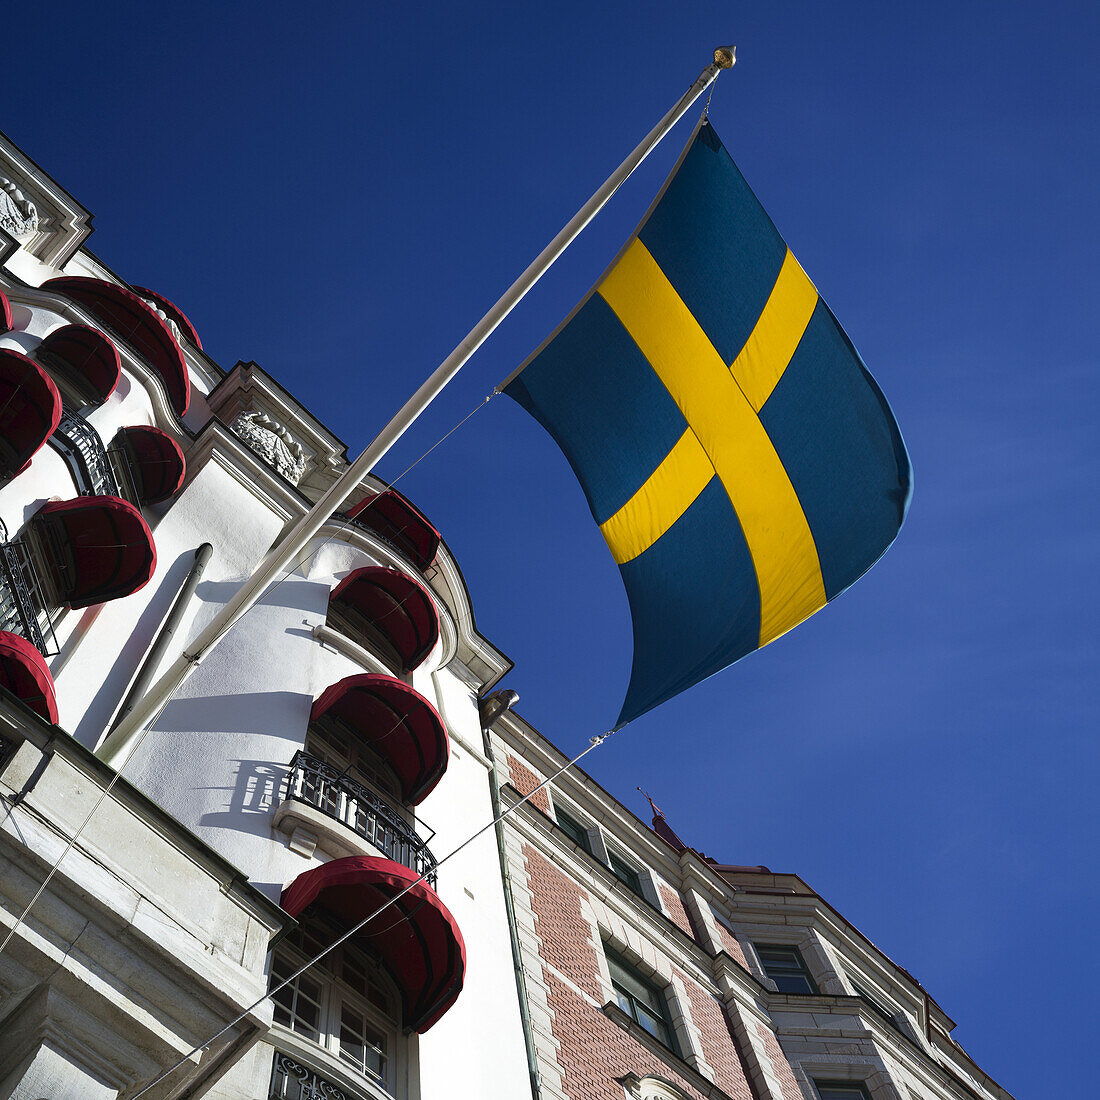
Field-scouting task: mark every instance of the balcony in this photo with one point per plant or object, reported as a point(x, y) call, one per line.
point(291, 1080)
point(359, 808)
point(79, 444)
point(23, 606)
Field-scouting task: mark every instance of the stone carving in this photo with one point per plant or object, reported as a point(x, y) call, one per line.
point(273, 443)
point(652, 1088)
point(18, 215)
point(173, 328)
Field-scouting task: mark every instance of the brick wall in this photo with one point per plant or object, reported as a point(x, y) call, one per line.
point(674, 909)
point(525, 781)
point(779, 1062)
point(731, 946)
point(594, 1051)
point(714, 1039)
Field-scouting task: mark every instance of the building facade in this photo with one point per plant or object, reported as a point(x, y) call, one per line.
point(319, 763)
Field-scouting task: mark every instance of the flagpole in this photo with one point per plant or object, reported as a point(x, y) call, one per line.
point(121, 741)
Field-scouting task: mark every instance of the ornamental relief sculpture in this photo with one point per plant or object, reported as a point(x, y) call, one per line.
point(652, 1088)
point(272, 442)
point(173, 328)
point(18, 215)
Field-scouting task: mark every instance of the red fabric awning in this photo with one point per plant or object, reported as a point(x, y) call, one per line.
point(24, 673)
point(397, 722)
point(137, 323)
point(173, 311)
point(30, 408)
point(102, 548)
point(416, 939)
point(5, 313)
point(401, 524)
point(397, 605)
point(87, 355)
point(156, 460)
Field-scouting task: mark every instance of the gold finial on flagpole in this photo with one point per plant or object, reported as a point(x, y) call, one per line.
point(723, 57)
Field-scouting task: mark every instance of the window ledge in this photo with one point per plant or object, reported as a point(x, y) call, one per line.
point(710, 1090)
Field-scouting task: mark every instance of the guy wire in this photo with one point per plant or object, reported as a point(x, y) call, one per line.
point(593, 743)
point(152, 722)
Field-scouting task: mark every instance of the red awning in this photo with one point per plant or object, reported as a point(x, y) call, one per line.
point(5, 313)
point(101, 548)
point(396, 604)
point(416, 938)
point(24, 673)
point(156, 461)
point(398, 522)
point(137, 323)
point(172, 311)
point(397, 722)
point(88, 357)
point(30, 408)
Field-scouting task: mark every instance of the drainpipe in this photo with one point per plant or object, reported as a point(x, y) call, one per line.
point(164, 636)
point(490, 709)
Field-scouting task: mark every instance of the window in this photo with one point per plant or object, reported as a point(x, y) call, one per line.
point(574, 830)
point(626, 874)
point(875, 1004)
point(644, 1002)
point(330, 740)
point(841, 1090)
point(784, 965)
point(340, 1003)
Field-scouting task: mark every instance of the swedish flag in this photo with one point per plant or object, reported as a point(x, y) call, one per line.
point(741, 462)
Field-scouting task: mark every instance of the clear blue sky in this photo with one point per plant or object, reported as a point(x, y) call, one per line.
point(339, 193)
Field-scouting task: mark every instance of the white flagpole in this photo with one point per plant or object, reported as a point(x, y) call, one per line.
point(118, 745)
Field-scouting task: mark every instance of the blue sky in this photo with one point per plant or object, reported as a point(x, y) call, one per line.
point(340, 193)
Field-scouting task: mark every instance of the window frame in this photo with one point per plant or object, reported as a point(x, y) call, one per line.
point(616, 961)
point(634, 885)
point(800, 970)
point(336, 994)
point(858, 1088)
point(581, 837)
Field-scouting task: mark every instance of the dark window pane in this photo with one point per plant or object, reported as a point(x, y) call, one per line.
point(640, 999)
point(786, 967)
point(574, 830)
point(841, 1091)
point(624, 873)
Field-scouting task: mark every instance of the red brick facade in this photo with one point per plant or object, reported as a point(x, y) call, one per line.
point(782, 1067)
point(714, 1038)
point(525, 781)
point(674, 909)
point(731, 946)
point(595, 1052)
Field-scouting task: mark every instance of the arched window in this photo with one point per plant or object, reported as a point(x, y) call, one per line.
point(343, 1003)
point(341, 747)
point(84, 363)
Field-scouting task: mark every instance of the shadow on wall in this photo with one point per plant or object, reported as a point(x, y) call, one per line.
point(119, 673)
point(258, 790)
point(298, 596)
point(270, 713)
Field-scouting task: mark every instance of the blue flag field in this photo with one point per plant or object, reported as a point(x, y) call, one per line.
point(742, 464)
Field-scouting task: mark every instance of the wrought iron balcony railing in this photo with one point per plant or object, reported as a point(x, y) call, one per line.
point(361, 809)
point(79, 444)
point(23, 606)
point(290, 1080)
point(355, 521)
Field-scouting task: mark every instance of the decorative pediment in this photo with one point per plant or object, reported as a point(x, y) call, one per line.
point(43, 218)
point(272, 442)
point(18, 215)
point(652, 1088)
